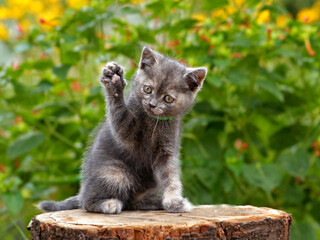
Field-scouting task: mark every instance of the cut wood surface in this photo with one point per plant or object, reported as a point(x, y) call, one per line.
point(204, 222)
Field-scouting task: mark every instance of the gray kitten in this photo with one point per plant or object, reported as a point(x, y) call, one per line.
point(133, 162)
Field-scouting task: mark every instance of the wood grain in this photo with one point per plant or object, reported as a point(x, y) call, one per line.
point(204, 222)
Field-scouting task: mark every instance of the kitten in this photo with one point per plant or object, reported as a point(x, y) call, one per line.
point(133, 162)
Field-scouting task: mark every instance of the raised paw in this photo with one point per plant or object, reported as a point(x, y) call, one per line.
point(112, 78)
point(111, 206)
point(177, 205)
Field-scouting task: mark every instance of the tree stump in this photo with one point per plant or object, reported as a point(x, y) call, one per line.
point(204, 222)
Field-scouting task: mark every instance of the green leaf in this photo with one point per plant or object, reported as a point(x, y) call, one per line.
point(270, 87)
point(240, 41)
point(315, 210)
point(25, 143)
point(70, 57)
point(252, 3)
point(294, 195)
point(43, 64)
point(237, 78)
point(183, 25)
point(215, 80)
point(221, 63)
point(43, 86)
point(266, 176)
point(13, 202)
point(209, 4)
point(61, 71)
point(146, 35)
point(22, 47)
point(294, 162)
point(285, 52)
point(127, 49)
point(196, 122)
point(302, 230)
point(287, 136)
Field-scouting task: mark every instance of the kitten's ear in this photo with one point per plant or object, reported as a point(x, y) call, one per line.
point(194, 77)
point(148, 58)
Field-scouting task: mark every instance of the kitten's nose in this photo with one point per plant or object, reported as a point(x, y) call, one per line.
point(153, 103)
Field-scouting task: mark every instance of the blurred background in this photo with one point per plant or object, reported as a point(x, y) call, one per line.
point(253, 137)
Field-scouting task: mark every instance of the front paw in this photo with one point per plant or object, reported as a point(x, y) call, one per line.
point(112, 78)
point(177, 205)
point(111, 206)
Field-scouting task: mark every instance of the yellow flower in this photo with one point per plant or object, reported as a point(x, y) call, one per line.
point(230, 10)
point(3, 32)
point(51, 17)
point(77, 4)
point(200, 17)
point(36, 7)
point(54, 1)
point(264, 3)
point(263, 16)
point(219, 13)
point(4, 13)
point(223, 13)
point(238, 3)
point(308, 15)
point(16, 12)
point(282, 20)
point(136, 2)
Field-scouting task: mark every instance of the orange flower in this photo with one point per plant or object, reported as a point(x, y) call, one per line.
point(3, 134)
point(2, 168)
point(16, 162)
point(309, 48)
point(18, 120)
point(269, 32)
point(76, 87)
point(205, 38)
point(174, 43)
point(35, 112)
point(237, 55)
point(183, 61)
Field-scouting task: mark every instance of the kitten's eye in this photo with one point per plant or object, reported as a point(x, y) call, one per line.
point(147, 89)
point(168, 99)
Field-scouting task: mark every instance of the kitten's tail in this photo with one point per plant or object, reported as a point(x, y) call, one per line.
point(51, 206)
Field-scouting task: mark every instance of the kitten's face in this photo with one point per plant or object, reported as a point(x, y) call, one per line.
point(165, 87)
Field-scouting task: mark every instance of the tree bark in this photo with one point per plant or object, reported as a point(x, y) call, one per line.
point(204, 222)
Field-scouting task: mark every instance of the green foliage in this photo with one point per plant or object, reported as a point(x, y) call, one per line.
point(24, 144)
point(248, 139)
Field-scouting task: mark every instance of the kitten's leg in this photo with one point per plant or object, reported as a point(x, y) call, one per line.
point(109, 206)
point(121, 118)
point(147, 201)
point(108, 189)
point(168, 178)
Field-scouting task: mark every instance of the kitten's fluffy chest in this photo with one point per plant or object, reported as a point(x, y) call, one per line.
point(156, 136)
